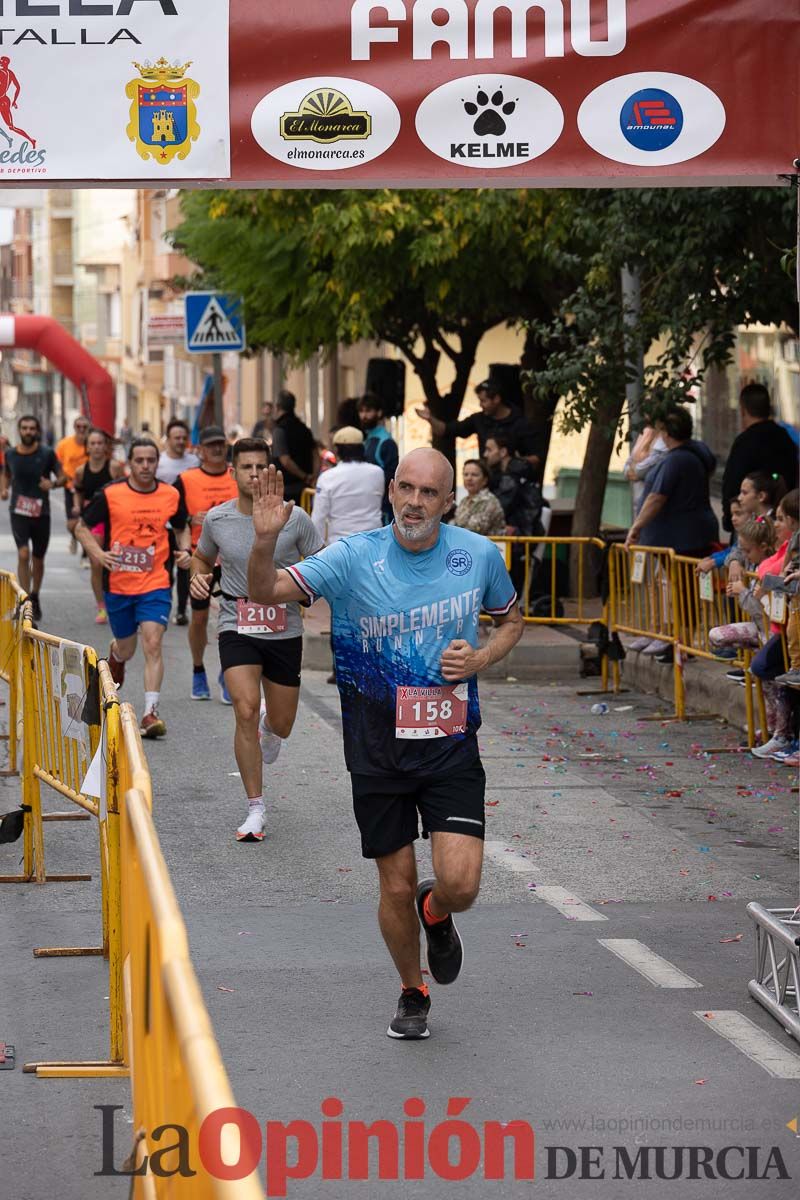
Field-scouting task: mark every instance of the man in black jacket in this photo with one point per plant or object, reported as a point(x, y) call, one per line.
point(761, 446)
point(496, 416)
point(293, 449)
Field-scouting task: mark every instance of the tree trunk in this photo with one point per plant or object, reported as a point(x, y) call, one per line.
point(540, 412)
point(593, 479)
point(446, 407)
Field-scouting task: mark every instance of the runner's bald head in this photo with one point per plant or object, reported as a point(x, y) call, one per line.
point(430, 463)
point(420, 494)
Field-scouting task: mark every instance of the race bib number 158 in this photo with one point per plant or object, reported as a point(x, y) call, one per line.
point(431, 712)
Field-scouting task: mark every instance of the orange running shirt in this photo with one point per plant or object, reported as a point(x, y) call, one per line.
point(202, 491)
point(71, 455)
point(137, 521)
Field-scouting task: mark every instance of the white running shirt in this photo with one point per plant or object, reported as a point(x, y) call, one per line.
point(348, 500)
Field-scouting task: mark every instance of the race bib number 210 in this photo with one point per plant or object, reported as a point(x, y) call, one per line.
point(431, 712)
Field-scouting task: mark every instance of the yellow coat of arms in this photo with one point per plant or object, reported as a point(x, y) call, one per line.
point(163, 114)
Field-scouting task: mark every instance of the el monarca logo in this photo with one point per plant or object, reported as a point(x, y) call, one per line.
point(325, 115)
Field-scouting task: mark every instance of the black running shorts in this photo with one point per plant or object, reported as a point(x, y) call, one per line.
point(279, 658)
point(387, 810)
point(204, 605)
point(35, 530)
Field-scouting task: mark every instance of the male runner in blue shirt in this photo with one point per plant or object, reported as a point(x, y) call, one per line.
point(405, 604)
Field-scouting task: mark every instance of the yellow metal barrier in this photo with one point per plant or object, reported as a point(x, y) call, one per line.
point(644, 601)
point(159, 1030)
point(178, 1075)
point(12, 601)
point(703, 604)
point(307, 500)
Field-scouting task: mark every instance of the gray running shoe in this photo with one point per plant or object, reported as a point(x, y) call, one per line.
point(410, 1022)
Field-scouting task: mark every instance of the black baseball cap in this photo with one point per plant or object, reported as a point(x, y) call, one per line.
point(212, 433)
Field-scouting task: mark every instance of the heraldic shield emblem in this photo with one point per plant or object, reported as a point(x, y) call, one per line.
point(163, 116)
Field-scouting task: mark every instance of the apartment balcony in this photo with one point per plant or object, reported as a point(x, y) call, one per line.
point(61, 204)
point(167, 266)
point(22, 291)
point(63, 268)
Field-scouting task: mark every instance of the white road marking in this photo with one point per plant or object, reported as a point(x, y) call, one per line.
point(500, 853)
point(567, 903)
point(644, 960)
point(752, 1040)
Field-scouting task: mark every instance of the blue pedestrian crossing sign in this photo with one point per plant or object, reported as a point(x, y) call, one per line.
point(214, 322)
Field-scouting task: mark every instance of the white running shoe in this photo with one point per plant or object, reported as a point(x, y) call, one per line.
point(655, 647)
point(771, 747)
point(270, 742)
point(253, 828)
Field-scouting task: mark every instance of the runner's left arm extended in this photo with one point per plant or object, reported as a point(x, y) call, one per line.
point(265, 583)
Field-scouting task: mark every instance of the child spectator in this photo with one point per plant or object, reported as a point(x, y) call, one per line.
point(721, 558)
point(768, 664)
point(756, 543)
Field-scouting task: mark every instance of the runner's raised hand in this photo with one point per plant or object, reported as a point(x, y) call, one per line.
point(270, 511)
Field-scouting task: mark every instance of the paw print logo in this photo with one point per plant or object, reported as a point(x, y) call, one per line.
point(488, 113)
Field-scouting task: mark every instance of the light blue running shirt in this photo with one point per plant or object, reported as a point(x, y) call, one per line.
point(394, 613)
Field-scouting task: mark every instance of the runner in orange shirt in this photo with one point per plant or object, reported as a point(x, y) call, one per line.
point(201, 489)
point(72, 452)
point(136, 556)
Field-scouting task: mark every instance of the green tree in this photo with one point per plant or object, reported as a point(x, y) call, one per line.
point(708, 260)
point(428, 272)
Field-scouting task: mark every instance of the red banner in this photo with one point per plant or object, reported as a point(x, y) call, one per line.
point(345, 93)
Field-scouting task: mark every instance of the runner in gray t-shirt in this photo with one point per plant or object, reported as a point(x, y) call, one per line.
point(260, 646)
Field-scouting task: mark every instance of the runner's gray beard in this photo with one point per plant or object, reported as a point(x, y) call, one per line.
point(416, 533)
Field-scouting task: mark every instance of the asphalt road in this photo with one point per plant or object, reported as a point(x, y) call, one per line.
point(620, 858)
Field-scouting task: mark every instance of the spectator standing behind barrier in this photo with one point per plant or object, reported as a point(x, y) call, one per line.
point(480, 510)
point(380, 447)
point(266, 423)
point(768, 664)
point(495, 417)
point(349, 496)
point(294, 449)
point(676, 512)
point(762, 445)
point(515, 487)
point(648, 451)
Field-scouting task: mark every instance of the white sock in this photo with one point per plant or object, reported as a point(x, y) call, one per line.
point(150, 701)
point(255, 802)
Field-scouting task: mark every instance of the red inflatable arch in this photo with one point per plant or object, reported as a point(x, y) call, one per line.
point(51, 340)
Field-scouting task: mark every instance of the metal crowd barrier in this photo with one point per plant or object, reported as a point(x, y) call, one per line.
point(307, 500)
point(178, 1074)
point(703, 604)
point(12, 600)
point(75, 735)
point(644, 602)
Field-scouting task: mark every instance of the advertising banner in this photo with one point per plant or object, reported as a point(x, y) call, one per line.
point(348, 93)
point(129, 90)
